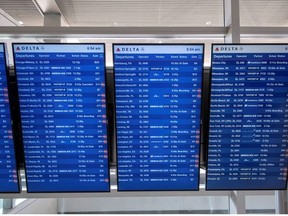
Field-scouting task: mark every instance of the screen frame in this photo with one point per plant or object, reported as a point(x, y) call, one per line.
point(108, 148)
point(12, 114)
point(209, 108)
point(201, 105)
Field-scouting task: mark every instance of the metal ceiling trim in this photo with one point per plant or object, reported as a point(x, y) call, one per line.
point(264, 32)
point(112, 32)
point(136, 32)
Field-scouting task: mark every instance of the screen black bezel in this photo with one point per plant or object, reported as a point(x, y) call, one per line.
point(108, 159)
point(209, 105)
point(200, 126)
point(8, 80)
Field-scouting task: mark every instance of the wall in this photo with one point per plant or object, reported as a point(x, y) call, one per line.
point(36, 206)
point(174, 204)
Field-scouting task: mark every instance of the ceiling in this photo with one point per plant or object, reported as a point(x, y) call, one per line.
point(141, 12)
point(264, 13)
point(22, 11)
point(145, 12)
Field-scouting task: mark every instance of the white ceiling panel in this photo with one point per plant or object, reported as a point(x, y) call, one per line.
point(142, 12)
point(264, 13)
point(6, 19)
point(22, 10)
point(148, 12)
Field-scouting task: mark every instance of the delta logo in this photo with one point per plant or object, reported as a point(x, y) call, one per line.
point(130, 49)
point(29, 48)
point(230, 48)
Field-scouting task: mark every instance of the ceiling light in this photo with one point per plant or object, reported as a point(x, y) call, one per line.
point(208, 23)
point(20, 22)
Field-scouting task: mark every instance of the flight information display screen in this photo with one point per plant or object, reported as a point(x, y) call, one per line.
point(158, 104)
point(63, 114)
point(8, 169)
point(248, 132)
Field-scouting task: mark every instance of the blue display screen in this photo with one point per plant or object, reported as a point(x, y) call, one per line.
point(248, 131)
point(63, 115)
point(8, 169)
point(158, 104)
